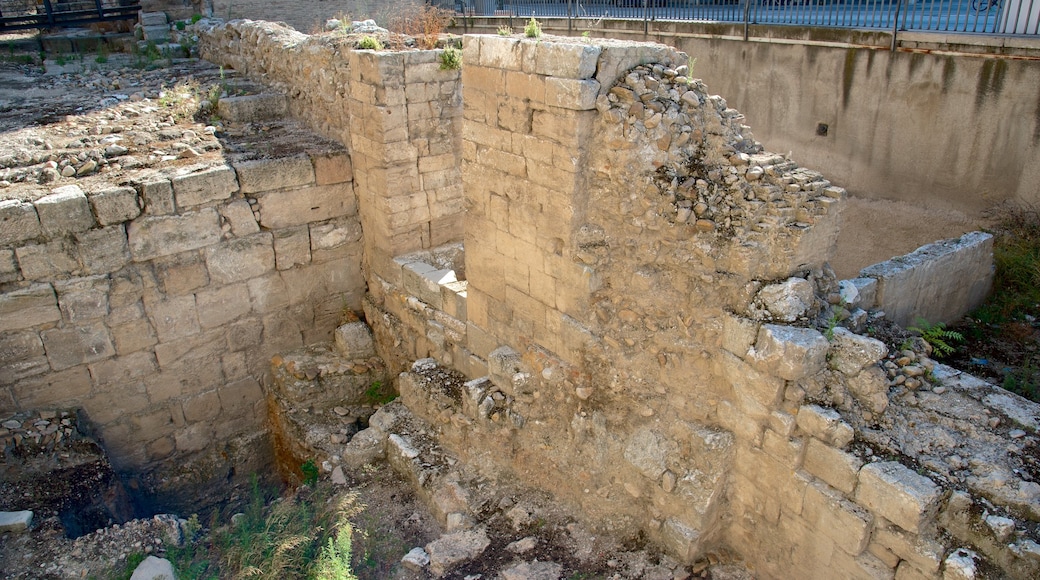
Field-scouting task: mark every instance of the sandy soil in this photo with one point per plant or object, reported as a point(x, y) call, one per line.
point(874, 230)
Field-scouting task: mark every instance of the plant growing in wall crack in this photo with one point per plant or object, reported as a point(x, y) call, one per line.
point(370, 43)
point(533, 29)
point(451, 58)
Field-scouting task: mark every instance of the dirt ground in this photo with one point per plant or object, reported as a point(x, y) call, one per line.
point(874, 230)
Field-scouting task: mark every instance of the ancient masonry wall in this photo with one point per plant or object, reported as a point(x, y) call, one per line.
point(398, 113)
point(645, 288)
point(157, 307)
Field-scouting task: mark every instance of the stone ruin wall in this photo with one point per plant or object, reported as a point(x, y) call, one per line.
point(156, 306)
point(623, 311)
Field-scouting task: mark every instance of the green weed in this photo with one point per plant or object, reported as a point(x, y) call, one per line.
point(377, 394)
point(370, 43)
point(505, 31)
point(310, 472)
point(451, 58)
point(937, 336)
point(533, 29)
point(1024, 380)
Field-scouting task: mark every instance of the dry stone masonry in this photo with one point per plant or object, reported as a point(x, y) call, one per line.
point(585, 279)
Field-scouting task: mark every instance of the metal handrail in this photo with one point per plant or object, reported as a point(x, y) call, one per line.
point(1004, 18)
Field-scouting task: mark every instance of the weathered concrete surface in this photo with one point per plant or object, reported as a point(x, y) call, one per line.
point(939, 282)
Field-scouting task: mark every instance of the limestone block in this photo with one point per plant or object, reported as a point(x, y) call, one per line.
point(8, 266)
point(559, 59)
point(898, 494)
point(961, 564)
point(240, 259)
point(788, 300)
point(354, 340)
point(152, 18)
point(918, 284)
point(784, 450)
point(153, 237)
point(502, 53)
point(252, 108)
point(292, 247)
point(925, 555)
point(103, 250)
point(133, 336)
point(870, 388)
point(365, 447)
point(21, 345)
point(123, 368)
point(282, 209)
point(240, 217)
point(268, 174)
point(212, 184)
point(579, 95)
point(789, 352)
point(18, 222)
point(158, 197)
point(50, 261)
point(824, 424)
point(533, 571)
point(114, 206)
point(681, 539)
point(335, 234)
point(647, 451)
point(858, 293)
point(27, 307)
point(738, 334)
point(49, 389)
point(238, 398)
point(64, 211)
point(838, 468)
point(173, 317)
point(763, 388)
point(453, 299)
point(75, 345)
point(15, 521)
point(332, 168)
point(451, 550)
point(850, 353)
point(504, 368)
point(841, 520)
point(83, 299)
point(153, 568)
point(219, 306)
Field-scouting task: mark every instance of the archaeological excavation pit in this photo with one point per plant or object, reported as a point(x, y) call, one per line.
point(562, 292)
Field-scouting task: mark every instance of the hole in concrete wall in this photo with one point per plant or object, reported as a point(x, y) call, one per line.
point(821, 129)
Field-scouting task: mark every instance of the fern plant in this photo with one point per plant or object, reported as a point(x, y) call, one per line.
point(937, 336)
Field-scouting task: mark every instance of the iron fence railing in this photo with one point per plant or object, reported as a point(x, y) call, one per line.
point(24, 14)
point(1001, 17)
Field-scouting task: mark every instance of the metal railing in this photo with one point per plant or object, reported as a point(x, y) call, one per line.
point(26, 14)
point(1000, 17)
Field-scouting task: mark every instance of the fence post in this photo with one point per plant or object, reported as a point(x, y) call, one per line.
point(895, 26)
point(747, 18)
point(646, 17)
point(570, 18)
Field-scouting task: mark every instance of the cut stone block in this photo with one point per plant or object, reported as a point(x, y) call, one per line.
point(18, 221)
point(898, 494)
point(788, 300)
point(354, 340)
point(115, 206)
point(213, 184)
point(28, 307)
point(825, 424)
point(153, 237)
point(65, 211)
point(451, 550)
point(918, 285)
point(850, 353)
point(268, 174)
point(153, 568)
point(789, 352)
point(250, 108)
point(837, 468)
point(15, 521)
